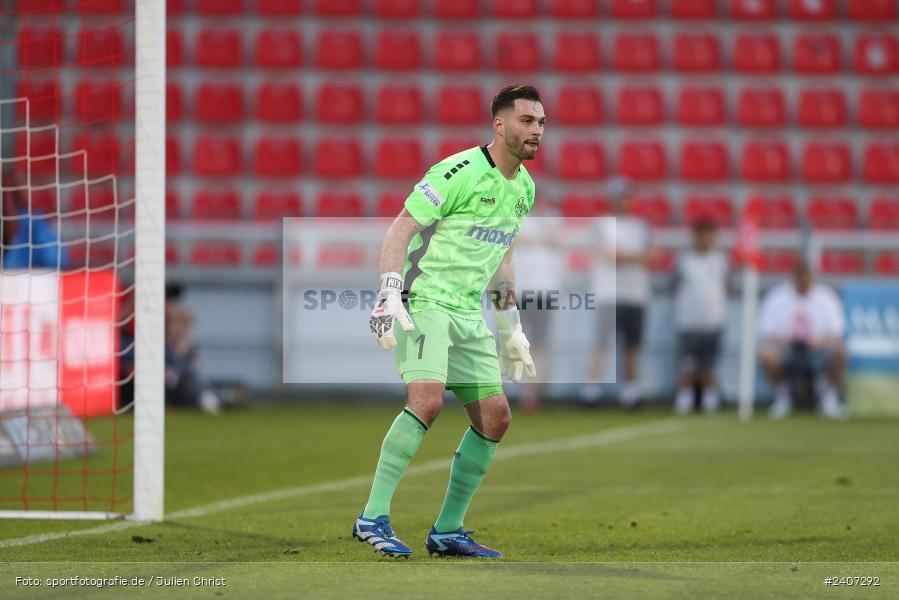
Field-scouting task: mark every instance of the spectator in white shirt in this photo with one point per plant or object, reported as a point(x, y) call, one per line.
point(700, 308)
point(621, 281)
point(801, 325)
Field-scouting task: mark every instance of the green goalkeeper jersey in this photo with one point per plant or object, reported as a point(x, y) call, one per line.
point(471, 214)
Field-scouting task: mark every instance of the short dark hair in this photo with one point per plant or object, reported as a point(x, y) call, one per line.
point(509, 94)
point(704, 224)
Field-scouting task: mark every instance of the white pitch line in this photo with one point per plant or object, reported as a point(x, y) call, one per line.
point(601, 438)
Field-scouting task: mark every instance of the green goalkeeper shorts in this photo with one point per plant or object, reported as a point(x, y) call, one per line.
point(458, 352)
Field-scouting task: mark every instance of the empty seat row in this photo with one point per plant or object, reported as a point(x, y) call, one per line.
point(762, 161)
point(874, 53)
point(750, 10)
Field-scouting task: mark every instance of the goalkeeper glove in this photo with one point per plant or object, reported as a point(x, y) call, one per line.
point(514, 349)
point(389, 310)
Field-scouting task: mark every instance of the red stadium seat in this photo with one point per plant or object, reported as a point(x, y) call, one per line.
point(881, 163)
point(340, 255)
point(777, 212)
point(339, 50)
point(172, 254)
point(824, 162)
point(43, 98)
point(817, 54)
point(215, 254)
point(338, 158)
point(814, 10)
point(456, 9)
point(515, 9)
point(453, 145)
point(887, 263)
point(636, 53)
point(216, 155)
point(216, 205)
point(883, 213)
point(174, 48)
point(879, 108)
point(338, 8)
point(704, 161)
point(39, 147)
point(460, 105)
point(399, 158)
point(99, 47)
point(753, 10)
point(219, 102)
point(390, 204)
point(174, 101)
point(577, 52)
point(656, 210)
point(761, 107)
point(173, 157)
point(581, 160)
point(517, 51)
point(765, 162)
point(634, 9)
point(581, 206)
point(44, 201)
point(172, 204)
point(397, 9)
point(882, 11)
point(279, 102)
point(718, 209)
point(219, 8)
point(334, 204)
point(457, 51)
point(98, 200)
point(575, 9)
point(778, 262)
point(697, 53)
point(826, 212)
point(279, 8)
point(693, 9)
point(643, 161)
point(39, 6)
point(579, 105)
point(842, 262)
point(102, 151)
point(822, 108)
point(398, 51)
point(219, 49)
point(272, 205)
point(700, 106)
point(640, 106)
point(757, 53)
point(278, 156)
point(399, 104)
point(40, 47)
point(107, 7)
point(876, 54)
point(339, 103)
point(278, 48)
point(267, 254)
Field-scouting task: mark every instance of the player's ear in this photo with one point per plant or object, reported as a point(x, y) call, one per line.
point(498, 126)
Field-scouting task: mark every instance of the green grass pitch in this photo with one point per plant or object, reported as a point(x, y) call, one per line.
point(582, 503)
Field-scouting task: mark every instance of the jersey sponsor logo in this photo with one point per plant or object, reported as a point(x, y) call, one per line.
point(431, 193)
point(492, 235)
point(488, 201)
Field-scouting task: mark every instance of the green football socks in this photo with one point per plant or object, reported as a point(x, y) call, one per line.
point(399, 447)
point(469, 467)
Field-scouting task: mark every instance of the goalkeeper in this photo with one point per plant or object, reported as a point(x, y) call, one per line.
point(452, 241)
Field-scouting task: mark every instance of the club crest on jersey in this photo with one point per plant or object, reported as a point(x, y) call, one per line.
point(488, 201)
point(430, 192)
point(521, 207)
point(492, 235)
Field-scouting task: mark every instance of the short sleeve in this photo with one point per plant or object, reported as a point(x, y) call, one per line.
point(437, 194)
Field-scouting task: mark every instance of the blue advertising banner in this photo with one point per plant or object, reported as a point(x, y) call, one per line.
point(872, 326)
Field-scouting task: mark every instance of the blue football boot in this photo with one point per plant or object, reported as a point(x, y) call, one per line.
point(457, 543)
point(379, 535)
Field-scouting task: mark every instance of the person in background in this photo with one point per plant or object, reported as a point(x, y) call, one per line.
point(538, 272)
point(27, 240)
point(622, 255)
point(801, 326)
point(700, 288)
point(183, 384)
